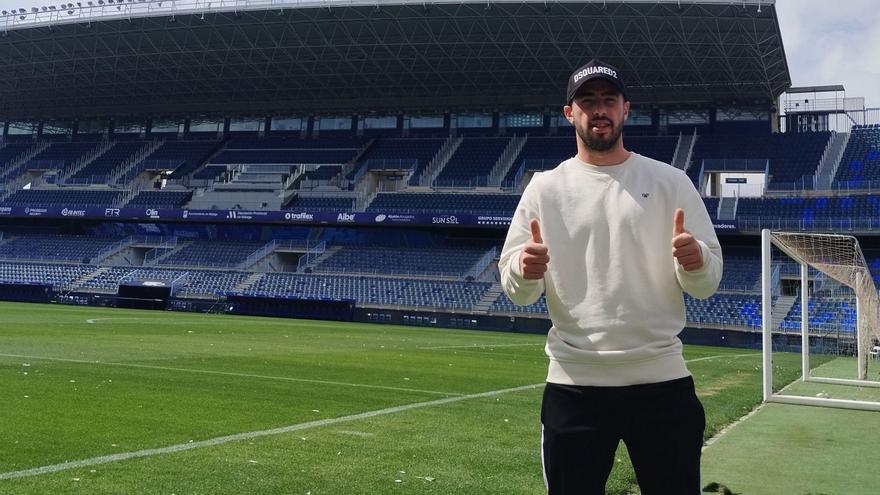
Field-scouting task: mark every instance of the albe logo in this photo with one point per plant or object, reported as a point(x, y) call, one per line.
point(345, 217)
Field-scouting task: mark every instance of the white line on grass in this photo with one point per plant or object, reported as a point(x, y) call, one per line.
point(252, 434)
point(719, 356)
point(477, 346)
point(232, 373)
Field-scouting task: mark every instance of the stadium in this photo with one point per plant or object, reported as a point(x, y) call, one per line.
point(251, 246)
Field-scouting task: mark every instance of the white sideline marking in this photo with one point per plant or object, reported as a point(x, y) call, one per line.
point(132, 318)
point(477, 346)
point(252, 434)
point(231, 373)
point(719, 356)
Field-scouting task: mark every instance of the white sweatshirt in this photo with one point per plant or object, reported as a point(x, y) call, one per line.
point(613, 288)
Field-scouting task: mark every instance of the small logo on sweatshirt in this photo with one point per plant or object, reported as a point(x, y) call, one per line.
point(645, 195)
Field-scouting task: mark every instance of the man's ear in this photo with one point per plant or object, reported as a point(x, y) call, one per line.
point(566, 110)
point(626, 107)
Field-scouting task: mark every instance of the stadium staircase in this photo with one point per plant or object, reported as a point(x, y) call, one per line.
point(93, 155)
point(429, 175)
point(129, 164)
point(328, 252)
point(80, 282)
point(247, 283)
point(179, 247)
point(485, 303)
point(727, 208)
point(781, 309)
point(349, 166)
point(12, 167)
point(684, 151)
point(118, 258)
point(502, 167)
point(831, 160)
point(259, 259)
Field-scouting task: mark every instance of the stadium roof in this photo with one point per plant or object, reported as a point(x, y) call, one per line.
point(147, 57)
point(815, 89)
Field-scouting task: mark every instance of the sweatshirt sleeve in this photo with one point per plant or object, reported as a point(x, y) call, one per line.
point(704, 282)
point(521, 291)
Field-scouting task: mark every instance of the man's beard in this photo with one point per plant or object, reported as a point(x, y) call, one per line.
point(594, 142)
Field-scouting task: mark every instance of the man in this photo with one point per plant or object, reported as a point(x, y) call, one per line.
point(604, 234)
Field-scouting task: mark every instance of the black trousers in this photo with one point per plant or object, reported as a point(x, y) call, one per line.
point(661, 424)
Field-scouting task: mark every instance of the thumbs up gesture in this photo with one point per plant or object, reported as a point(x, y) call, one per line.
point(685, 248)
point(534, 258)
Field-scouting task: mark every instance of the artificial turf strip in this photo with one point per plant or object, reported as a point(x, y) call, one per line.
point(798, 450)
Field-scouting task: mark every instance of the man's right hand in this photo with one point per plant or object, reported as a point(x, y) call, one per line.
point(534, 258)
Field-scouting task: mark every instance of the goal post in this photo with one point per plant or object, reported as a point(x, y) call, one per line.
point(840, 258)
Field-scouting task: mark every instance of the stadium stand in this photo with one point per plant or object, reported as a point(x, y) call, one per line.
point(792, 156)
point(210, 254)
point(374, 290)
point(66, 249)
point(181, 157)
point(410, 261)
point(504, 305)
point(742, 310)
point(160, 199)
point(320, 203)
point(471, 163)
point(9, 153)
point(860, 164)
point(61, 156)
point(58, 276)
point(102, 168)
point(410, 153)
point(64, 197)
point(488, 204)
point(827, 315)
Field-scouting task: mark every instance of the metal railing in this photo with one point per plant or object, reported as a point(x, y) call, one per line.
point(257, 255)
point(471, 183)
point(513, 184)
point(390, 164)
point(481, 264)
point(805, 183)
point(310, 255)
point(87, 181)
point(112, 248)
point(735, 165)
point(828, 224)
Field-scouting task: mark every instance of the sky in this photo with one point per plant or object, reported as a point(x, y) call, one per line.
point(826, 42)
point(833, 42)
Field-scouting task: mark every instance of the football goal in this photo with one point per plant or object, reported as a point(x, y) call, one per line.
point(838, 312)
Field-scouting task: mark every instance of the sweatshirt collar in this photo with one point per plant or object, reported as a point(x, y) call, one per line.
point(602, 169)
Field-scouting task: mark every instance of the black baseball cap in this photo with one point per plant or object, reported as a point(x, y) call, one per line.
point(595, 69)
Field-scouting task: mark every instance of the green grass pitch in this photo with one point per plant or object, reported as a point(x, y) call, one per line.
point(106, 401)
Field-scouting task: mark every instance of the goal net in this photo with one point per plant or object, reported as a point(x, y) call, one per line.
point(839, 313)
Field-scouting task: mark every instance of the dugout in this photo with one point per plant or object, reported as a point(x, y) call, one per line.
point(26, 292)
point(143, 295)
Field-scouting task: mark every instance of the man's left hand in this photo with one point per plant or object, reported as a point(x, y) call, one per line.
point(685, 247)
